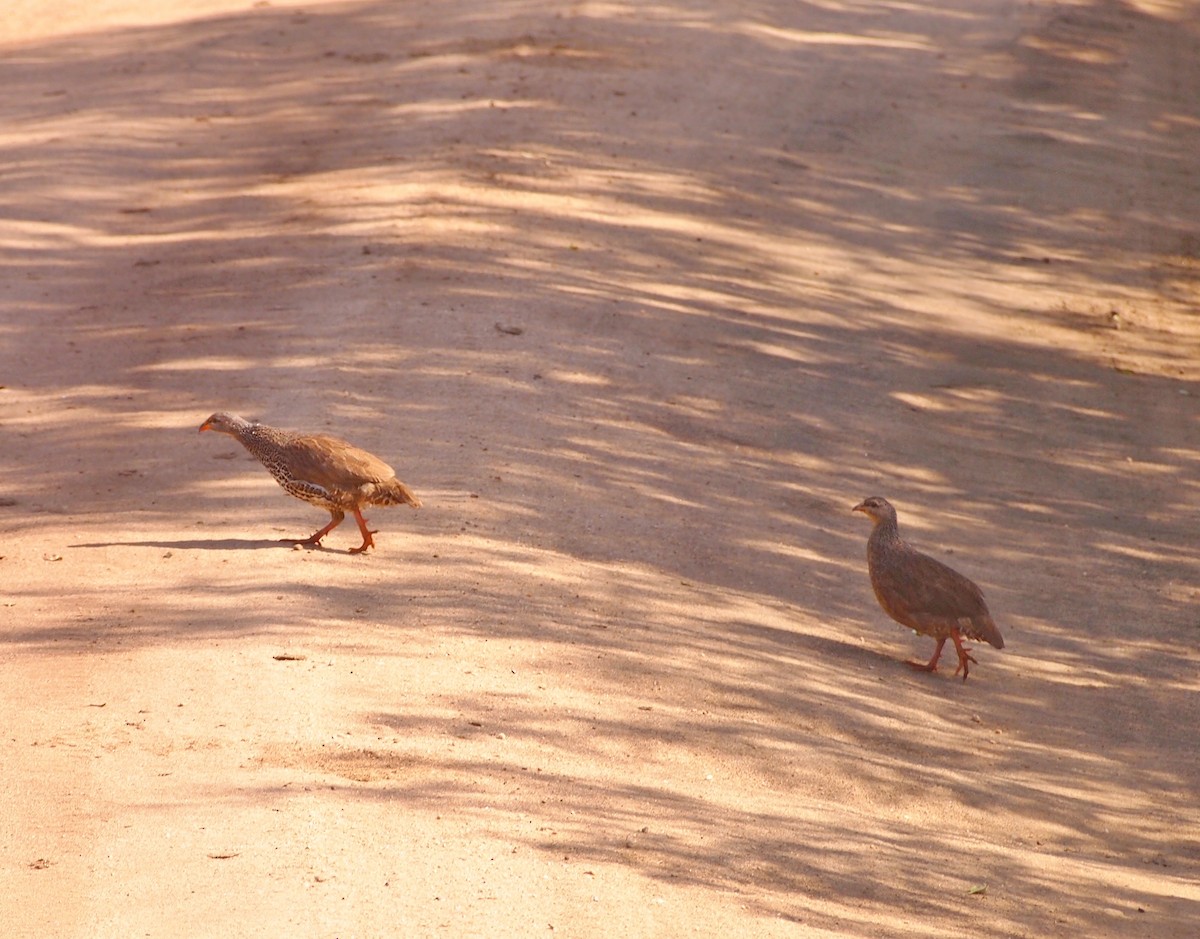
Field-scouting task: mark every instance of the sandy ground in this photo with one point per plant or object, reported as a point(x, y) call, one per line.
point(641, 298)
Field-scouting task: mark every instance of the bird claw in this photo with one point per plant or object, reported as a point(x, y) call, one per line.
point(963, 658)
point(368, 542)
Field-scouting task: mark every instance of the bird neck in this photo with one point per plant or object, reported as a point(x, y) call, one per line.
point(261, 432)
point(885, 533)
point(261, 440)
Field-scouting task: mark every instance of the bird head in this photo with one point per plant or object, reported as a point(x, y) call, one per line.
point(877, 509)
point(225, 423)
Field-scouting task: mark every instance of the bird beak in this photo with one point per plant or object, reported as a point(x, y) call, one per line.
point(861, 507)
point(207, 425)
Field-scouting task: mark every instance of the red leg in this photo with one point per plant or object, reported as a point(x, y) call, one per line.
point(315, 537)
point(931, 665)
point(368, 541)
point(964, 655)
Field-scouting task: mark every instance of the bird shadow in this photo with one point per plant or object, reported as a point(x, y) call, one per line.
point(210, 544)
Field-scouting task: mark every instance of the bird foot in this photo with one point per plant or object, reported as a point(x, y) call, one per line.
point(931, 665)
point(368, 541)
point(964, 656)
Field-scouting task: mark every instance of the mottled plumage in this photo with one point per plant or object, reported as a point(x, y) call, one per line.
point(323, 470)
point(922, 593)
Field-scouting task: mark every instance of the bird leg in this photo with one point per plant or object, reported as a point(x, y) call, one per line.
point(931, 665)
point(368, 541)
point(964, 654)
point(315, 537)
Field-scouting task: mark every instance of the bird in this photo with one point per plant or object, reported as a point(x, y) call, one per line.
point(325, 471)
point(922, 593)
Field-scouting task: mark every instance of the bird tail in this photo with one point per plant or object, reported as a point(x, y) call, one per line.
point(394, 492)
point(984, 627)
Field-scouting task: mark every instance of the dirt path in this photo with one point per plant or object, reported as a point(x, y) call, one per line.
point(641, 299)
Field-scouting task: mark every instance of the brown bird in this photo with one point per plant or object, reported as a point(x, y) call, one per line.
point(323, 470)
point(922, 593)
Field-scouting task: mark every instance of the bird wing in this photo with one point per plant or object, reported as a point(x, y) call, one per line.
point(923, 593)
point(334, 464)
point(921, 587)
